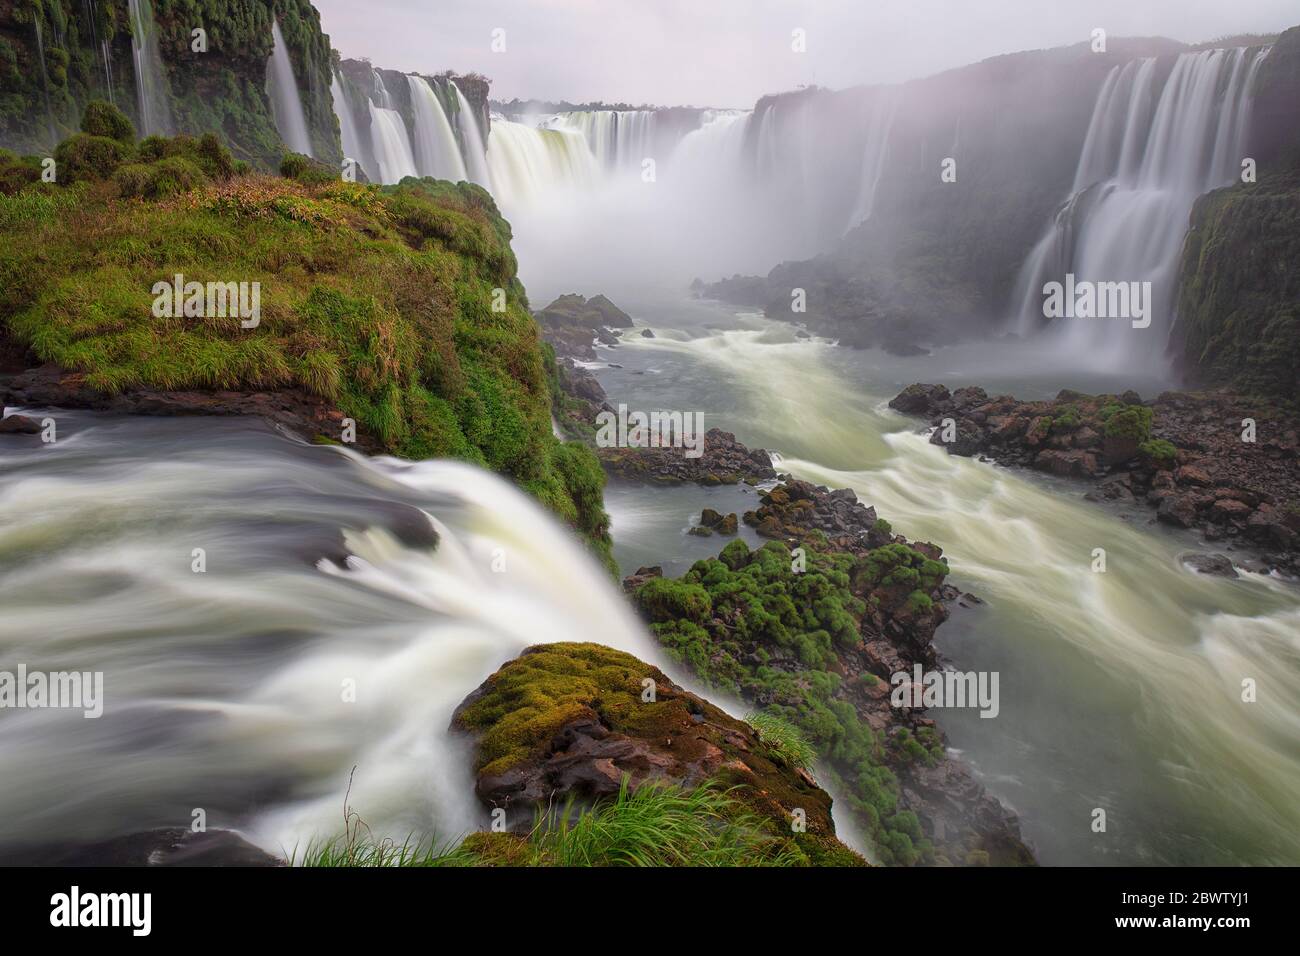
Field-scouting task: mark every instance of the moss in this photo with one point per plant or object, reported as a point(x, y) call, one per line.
point(306, 170)
point(1132, 423)
point(882, 527)
point(377, 299)
point(105, 119)
point(759, 610)
point(1159, 452)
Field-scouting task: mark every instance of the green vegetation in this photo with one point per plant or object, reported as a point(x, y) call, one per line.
point(377, 300)
point(784, 739)
point(1159, 452)
point(746, 623)
point(653, 825)
point(882, 527)
point(1130, 422)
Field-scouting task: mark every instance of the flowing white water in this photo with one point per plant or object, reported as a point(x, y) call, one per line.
point(391, 145)
point(473, 146)
point(286, 103)
point(539, 168)
point(1119, 690)
point(1150, 151)
point(348, 134)
point(620, 139)
point(436, 152)
point(225, 689)
point(153, 109)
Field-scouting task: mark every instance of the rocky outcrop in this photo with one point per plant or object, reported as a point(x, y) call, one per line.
point(724, 461)
point(578, 721)
point(308, 416)
point(1194, 457)
point(867, 604)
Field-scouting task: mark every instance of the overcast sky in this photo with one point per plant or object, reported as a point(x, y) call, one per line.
point(730, 52)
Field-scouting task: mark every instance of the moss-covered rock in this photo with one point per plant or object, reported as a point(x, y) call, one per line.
point(375, 300)
point(582, 721)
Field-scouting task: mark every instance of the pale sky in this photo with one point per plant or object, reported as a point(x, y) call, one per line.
point(730, 52)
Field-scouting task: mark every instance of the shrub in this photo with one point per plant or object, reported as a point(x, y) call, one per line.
point(106, 120)
point(304, 169)
point(1159, 452)
point(1132, 423)
point(85, 157)
point(783, 738)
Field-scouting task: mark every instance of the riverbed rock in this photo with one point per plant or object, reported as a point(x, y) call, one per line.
point(19, 425)
point(1218, 565)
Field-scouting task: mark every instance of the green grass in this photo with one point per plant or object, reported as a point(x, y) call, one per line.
point(653, 825)
point(784, 739)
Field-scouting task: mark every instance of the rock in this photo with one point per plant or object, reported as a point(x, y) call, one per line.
point(1219, 565)
point(700, 531)
point(918, 398)
point(1230, 508)
point(1067, 464)
point(647, 334)
point(570, 721)
point(1178, 510)
point(723, 524)
point(19, 425)
point(967, 438)
point(171, 846)
point(1192, 475)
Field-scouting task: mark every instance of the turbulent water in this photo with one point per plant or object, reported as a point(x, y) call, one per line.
point(1150, 151)
point(1118, 690)
point(225, 688)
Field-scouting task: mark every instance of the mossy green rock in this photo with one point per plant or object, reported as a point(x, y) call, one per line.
point(575, 720)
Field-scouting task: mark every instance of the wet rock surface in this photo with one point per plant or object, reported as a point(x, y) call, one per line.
point(1187, 455)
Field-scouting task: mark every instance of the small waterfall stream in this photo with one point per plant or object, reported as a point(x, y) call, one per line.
point(437, 153)
point(153, 107)
point(286, 102)
point(473, 146)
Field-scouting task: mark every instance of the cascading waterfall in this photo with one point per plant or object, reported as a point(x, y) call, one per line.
point(388, 137)
point(1150, 151)
point(619, 139)
point(323, 567)
point(473, 146)
point(45, 81)
point(529, 165)
point(286, 103)
point(878, 123)
point(437, 153)
point(349, 136)
point(153, 108)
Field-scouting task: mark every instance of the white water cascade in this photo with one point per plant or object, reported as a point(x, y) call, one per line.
point(153, 109)
point(1150, 151)
point(286, 104)
point(436, 152)
point(323, 567)
point(388, 137)
point(531, 167)
point(619, 139)
point(348, 134)
point(473, 145)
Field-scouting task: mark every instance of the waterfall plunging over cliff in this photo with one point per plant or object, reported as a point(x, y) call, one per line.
point(349, 136)
point(619, 139)
point(153, 110)
point(286, 104)
point(473, 146)
point(1150, 151)
point(388, 137)
point(437, 153)
point(528, 164)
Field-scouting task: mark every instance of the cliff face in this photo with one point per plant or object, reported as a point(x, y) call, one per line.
point(1239, 289)
point(57, 55)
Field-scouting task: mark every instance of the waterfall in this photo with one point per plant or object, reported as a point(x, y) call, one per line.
point(1150, 151)
point(286, 104)
point(619, 139)
point(152, 106)
point(391, 144)
point(348, 135)
point(529, 164)
point(324, 566)
point(473, 146)
point(878, 123)
point(45, 81)
point(436, 152)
